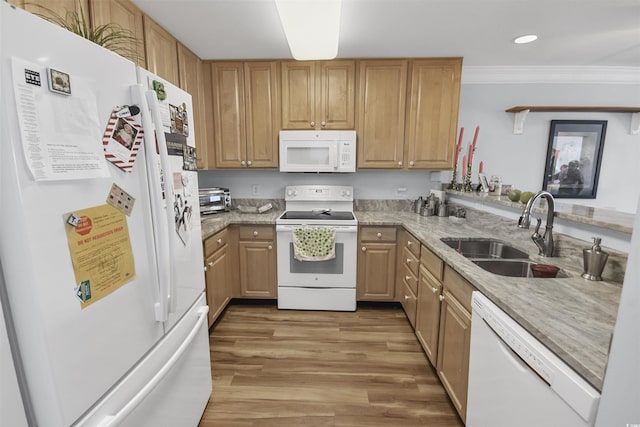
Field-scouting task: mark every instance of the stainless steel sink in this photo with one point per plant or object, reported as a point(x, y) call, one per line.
point(484, 248)
point(511, 268)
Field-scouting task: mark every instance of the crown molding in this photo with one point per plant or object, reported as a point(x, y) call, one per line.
point(550, 74)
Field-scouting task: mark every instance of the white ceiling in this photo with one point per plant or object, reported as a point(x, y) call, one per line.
point(571, 32)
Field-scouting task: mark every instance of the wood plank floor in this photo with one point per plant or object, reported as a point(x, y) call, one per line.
point(311, 368)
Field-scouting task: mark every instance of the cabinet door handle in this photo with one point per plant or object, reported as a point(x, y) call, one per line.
point(408, 260)
point(407, 278)
point(270, 247)
point(400, 163)
point(379, 235)
point(323, 123)
point(255, 233)
point(312, 124)
point(406, 297)
point(210, 263)
point(441, 297)
point(248, 162)
point(409, 243)
point(243, 163)
point(364, 249)
point(219, 241)
point(411, 163)
point(434, 290)
point(205, 268)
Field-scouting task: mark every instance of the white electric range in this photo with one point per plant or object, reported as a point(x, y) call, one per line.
point(318, 285)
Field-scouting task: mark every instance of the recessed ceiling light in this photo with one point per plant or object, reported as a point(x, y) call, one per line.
point(525, 39)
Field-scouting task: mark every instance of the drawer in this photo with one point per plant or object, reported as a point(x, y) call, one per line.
point(410, 279)
point(411, 243)
point(432, 261)
point(458, 286)
point(215, 242)
point(257, 232)
point(410, 260)
point(378, 234)
point(409, 303)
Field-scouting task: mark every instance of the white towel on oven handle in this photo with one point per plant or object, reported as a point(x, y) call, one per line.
point(314, 243)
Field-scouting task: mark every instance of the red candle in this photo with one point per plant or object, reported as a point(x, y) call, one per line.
point(458, 146)
point(475, 137)
point(480, 167)
point(464, 165)
point(470, 154)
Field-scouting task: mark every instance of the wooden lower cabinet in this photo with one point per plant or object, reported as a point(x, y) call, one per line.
point(453, 351)
point(428, 313)
point(218, 275)
point(257, 256)
point(455, 338)
point(376, 264)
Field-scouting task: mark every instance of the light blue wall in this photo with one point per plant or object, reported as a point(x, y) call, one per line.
point(520, 159)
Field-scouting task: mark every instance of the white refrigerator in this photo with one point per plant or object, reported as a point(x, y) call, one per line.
point(100, 240)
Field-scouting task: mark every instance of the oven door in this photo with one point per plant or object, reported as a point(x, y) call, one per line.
point(339, 272)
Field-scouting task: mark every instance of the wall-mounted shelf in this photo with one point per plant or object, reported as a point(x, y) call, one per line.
point(522, 111)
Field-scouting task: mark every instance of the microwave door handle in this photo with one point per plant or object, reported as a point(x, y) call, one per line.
point(335, 155)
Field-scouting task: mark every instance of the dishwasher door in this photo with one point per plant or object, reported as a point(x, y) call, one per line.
point(516, 381)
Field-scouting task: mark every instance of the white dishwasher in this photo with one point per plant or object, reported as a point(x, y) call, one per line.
point(514, 380)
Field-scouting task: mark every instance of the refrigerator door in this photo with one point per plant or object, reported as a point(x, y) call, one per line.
point(73, 353)
point(174, 180)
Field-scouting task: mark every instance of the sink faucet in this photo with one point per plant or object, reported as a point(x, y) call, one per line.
point(543, 242)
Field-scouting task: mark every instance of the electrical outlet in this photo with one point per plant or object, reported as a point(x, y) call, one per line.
point(255, 189)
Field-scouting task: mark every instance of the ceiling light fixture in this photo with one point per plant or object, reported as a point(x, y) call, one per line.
point(525, 39)
point(312, 27)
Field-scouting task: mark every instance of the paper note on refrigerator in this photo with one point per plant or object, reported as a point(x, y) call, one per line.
point(101, 253)
point(61, 134)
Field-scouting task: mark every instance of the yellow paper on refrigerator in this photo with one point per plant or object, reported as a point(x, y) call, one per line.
point(100, 250)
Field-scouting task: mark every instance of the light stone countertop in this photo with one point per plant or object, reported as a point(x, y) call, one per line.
point(572, 316)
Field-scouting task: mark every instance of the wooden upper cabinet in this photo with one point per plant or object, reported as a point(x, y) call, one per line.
point(318, 94)
point(228, 114)
point(432, 118)
point(191, 81)
point(262, 111)
point(51, 8)
point(246, 112)
point(380, 123)
point(128, 17)
point(161, 50)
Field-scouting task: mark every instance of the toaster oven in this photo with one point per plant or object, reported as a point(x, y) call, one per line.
point(214, 200)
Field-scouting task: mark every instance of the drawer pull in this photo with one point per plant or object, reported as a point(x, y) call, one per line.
point(441, 297)
point(255, 233)
point(407, 297)
point(219, 241)
point(434, 290)
point(407, 278)
point(409, 243)
point(408, 260)
point(379, 235)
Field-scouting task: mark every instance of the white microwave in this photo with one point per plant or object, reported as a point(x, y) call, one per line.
point(317, 151)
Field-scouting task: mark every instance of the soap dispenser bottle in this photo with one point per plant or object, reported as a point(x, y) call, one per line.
point(594, 261)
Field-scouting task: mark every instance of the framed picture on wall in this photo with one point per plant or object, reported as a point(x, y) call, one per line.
point(573, 158)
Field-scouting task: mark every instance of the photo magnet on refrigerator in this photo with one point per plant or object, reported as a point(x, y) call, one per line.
point(121, 200)
point(59, 82)
point(122, 139)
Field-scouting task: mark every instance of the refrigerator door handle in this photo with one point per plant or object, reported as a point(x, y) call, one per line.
point(158, 205)
point(170, 197)
point(112, 420)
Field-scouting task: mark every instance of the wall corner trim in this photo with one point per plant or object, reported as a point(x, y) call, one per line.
point(550, 74)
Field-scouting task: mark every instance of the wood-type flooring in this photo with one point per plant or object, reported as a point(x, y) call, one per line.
point(312, 368)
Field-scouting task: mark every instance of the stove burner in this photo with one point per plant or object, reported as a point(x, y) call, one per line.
point(324, 214)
